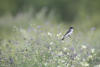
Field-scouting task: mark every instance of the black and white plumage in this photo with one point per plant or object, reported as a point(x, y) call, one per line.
point(68, 33)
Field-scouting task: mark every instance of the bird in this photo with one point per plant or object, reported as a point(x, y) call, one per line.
point(68, 33)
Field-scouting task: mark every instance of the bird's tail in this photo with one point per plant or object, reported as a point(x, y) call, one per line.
point(63, 38)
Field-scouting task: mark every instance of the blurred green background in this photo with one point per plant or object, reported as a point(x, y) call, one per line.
point(66, 9)
point(24, 20)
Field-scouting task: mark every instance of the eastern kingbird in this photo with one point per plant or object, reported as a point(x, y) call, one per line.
point(68, 33)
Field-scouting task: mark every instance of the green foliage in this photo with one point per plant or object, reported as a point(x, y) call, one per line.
point(65, 9)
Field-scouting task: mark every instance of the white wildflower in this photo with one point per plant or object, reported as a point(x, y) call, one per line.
point(62, 61)
point(58, 34)
point(92, 50)
point(68, 65)
point(84, 59)
point(51, 43)
point(84, 47)
point(90, 57)
point(49, 34)
point(64, 49)
point(60, 53)
point(77, 58)
point(68, 53)
point(84, 64)
point(24, 33)
point(45, 64)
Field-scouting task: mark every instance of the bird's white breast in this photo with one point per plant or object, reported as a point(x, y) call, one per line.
point(71, 31)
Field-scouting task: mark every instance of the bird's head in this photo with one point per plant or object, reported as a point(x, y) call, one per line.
point(71, 27)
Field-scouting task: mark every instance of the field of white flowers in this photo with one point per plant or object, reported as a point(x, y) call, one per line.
point(28, 41)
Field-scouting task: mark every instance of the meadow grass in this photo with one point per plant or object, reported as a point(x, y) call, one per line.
point(36, 42)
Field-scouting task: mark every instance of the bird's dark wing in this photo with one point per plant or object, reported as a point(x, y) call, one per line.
point(67, 32)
